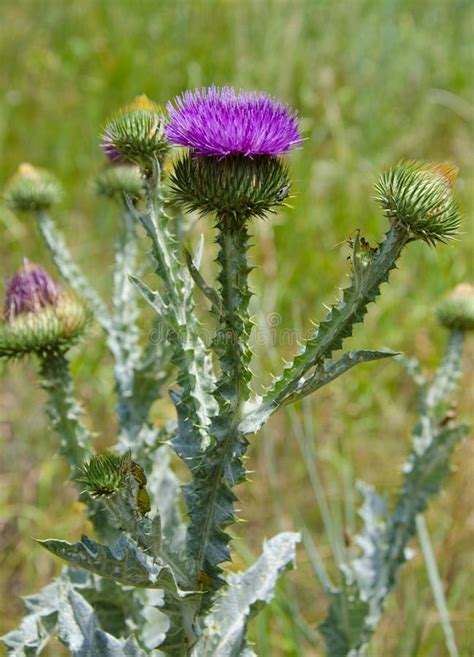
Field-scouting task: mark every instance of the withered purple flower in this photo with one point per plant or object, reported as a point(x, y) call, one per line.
point(221, 122)
point(29, 290)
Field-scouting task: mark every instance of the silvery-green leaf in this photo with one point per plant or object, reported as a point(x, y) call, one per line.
point(333, 369)
point(370, 269)
point(371, 541)
point(343, 629)
point(79, 631)
point(368, 577)
point(257, 411)
point(124, 563)
point(225, 626)
point(38, 625)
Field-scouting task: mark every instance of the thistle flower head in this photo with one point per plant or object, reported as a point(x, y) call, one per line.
point(456, 311)
point(117, 180)
point(221, 122)
point(420, 197)
point(32, 189)
point(233, 168)
point(136, 133)
point(238, 187)
point(105, 474)
point(29, 290)
point(39, 317)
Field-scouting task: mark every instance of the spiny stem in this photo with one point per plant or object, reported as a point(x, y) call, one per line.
point(369, 272)
point(448, 371)
point(222, 467)
point(64, 411)
point(75, 440)
point(231, 342)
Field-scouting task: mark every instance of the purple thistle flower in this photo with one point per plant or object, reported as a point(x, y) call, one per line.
point(29, 290)
point(220, 122)
point(109, 149)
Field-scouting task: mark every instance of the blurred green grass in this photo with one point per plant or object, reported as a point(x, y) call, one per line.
point(375, 81)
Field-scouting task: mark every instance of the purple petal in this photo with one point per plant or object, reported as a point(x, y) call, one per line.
point(29, 290)
point(221, 122)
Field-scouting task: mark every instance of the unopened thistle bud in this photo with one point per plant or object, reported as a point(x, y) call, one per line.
point(456, 311)
point(136, 133)
point(104, 475)
point(235, 141)
point(117, 180)
point(39, 317)
point(108, 474)
point(32, 189)
point(420, 197)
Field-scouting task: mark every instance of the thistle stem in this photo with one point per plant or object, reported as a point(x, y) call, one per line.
point(222, 467)
point(123, 337)
point(64, 411)
point(75, 440)
point(448, 371)
point(231, 342)
point(369, 272)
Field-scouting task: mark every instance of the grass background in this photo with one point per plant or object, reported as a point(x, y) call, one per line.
point(375, 81)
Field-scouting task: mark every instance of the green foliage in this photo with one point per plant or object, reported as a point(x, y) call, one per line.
point(64, 411)
point(370, 268)
point(62, 609)
point(332, 369)
point(124, 563)
point(211, 425)
point(38, 625)
point(225, 627)
point(356, 607)
point(209, 497)
point(78, 629)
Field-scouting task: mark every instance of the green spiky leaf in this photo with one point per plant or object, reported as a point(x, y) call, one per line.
point(124, 563)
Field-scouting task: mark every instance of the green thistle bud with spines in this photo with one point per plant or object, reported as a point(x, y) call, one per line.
point(114, 181)
point(39, 317)
point(136, 133)
point(234, 186)
point(456, 311)
point(48, 331)
point(105, 474)
point(32, 189)
point(419, 196)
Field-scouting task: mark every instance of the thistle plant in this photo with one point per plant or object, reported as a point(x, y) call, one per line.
point(160, 549)
point(376, 554)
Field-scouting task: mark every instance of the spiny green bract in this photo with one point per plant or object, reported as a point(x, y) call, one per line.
point(136, 133)
point(420, 197)
point(104, 474)
point(118, 180)
point(32, 189)
point(234, 186)
point(50, 330)
point(107, 473)
point(457, 310)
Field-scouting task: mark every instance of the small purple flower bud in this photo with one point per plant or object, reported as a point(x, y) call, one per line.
point(109, 149)
point(221, 122)
point(30, 290)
